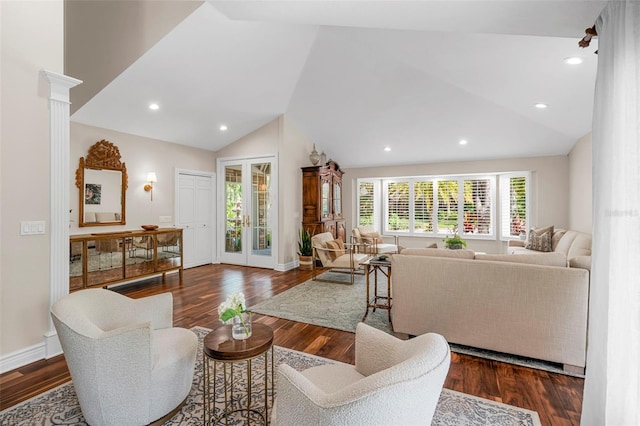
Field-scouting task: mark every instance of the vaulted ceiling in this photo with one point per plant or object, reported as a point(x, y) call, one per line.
point(359, 76)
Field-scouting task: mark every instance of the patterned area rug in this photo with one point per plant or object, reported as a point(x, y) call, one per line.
point(342, 306)
point(59, 406)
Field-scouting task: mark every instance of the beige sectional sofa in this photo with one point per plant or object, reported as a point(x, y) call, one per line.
point(528, 305)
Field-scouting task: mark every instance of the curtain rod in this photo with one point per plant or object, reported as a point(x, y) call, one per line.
point(590, 33)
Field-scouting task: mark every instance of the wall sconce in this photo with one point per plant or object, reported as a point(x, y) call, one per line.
point(151, 178)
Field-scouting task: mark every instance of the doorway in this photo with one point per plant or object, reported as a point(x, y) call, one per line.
point(247, 211)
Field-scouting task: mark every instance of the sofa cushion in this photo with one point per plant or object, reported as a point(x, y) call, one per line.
point(546, 259)
point(574, 243)
point(582, 262)
point(540, 239)
point(555, 238)
point(434, 252)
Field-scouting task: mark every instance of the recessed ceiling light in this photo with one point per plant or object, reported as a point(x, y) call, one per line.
point(154, 106)
point(387, 149)
point(574, 60)
point(223, 127)
point(463, 142)
point(540, 105)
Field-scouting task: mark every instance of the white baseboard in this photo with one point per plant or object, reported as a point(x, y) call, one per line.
point(283, 267)
point(22, 357)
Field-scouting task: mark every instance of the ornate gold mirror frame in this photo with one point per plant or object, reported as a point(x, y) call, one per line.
point(101, 179)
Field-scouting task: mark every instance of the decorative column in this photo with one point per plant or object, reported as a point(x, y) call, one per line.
point(59, 86)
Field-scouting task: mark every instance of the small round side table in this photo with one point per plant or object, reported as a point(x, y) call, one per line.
point(221, 348)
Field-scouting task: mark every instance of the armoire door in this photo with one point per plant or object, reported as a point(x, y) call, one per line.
point(195, 217)
point(248, 212)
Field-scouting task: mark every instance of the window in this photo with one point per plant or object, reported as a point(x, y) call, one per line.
point(397, 208)
point(478, 207)
point(514, 204)
point(366, 203)
point(423, 207)
point(430, 206)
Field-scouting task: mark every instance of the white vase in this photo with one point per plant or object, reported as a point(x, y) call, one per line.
point(241, 326)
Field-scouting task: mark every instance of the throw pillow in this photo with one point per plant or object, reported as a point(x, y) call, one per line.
point(434, 245)
point(540, 239)
point(336, 247)
point(372, 237)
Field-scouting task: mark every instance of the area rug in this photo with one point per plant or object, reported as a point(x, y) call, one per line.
point(60, 406)
point(342, 306)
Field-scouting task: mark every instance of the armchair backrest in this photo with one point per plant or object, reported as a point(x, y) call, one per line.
point(358, 231)
point(319, 244)
point(105, 346)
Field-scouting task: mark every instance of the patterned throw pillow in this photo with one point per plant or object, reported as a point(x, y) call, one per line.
point(337, 247)
point(540, 239)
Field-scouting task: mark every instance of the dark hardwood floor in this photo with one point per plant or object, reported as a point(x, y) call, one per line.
point(557, 398)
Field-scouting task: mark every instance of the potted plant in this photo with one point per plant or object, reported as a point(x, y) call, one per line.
point(455, 242)
point(305, 250)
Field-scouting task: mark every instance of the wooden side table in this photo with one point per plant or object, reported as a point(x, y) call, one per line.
point(221, 348)
point(375, 301)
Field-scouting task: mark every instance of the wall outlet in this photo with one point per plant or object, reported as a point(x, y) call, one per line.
point(165, 219)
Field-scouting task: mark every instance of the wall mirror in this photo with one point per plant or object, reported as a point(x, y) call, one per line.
point(101, 179)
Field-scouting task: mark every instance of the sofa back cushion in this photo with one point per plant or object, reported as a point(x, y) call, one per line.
point(546, 259)
point(574, 243)
point(435, 252)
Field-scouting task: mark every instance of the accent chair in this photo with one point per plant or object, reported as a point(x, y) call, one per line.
point(335, 255)
point(129, 365)
point(394, 382)
point(368, 235)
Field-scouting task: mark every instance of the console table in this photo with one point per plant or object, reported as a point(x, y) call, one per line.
point(105, 258)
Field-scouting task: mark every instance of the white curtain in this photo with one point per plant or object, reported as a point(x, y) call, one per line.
point(612, 385)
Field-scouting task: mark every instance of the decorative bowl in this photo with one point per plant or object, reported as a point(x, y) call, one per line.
point(149, 227)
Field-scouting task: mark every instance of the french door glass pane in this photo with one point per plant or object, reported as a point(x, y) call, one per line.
point(260, 197)
point(234, 209)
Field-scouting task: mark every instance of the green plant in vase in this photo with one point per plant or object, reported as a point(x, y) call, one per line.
point(305, 250)
point(454, 242)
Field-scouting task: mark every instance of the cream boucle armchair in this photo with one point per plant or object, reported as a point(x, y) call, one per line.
point(129, 365)
point(394, 382)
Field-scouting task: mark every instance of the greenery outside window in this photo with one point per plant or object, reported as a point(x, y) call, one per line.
point(431, 206)
point(515, 211)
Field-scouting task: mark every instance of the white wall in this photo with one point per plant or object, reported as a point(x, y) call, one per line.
point(140, 155)
point(32, 40)
point(581, 186)
point(550, 190)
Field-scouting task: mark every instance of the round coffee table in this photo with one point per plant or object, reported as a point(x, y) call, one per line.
point(221, 348)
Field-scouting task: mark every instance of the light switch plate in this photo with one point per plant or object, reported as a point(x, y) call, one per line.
point(32, 227)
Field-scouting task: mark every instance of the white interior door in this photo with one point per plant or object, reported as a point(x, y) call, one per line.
point(248, 211)
point(195, 216)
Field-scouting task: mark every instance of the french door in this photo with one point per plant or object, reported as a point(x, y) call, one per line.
point(248, 211)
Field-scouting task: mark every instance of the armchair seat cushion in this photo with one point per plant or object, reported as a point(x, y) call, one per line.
point(344, 261)
point(333, 377)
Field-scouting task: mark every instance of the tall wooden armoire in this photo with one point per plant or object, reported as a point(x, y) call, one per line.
point(322, 199)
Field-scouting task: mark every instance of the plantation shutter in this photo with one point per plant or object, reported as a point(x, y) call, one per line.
point(477, 212)
point(366, 199)
point(514, 205)
point(423, 206)
point(397, 206)
point(447, 206)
